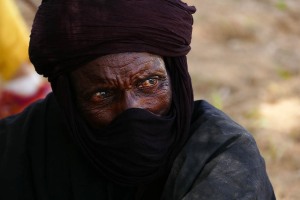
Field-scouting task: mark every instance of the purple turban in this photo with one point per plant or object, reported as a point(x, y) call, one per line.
point(70, 33)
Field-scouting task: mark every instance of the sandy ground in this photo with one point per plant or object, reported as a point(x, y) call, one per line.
point(245, 59)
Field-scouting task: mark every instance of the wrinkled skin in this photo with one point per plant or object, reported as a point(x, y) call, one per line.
point(111, 84)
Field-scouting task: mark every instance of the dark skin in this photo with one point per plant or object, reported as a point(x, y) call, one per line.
point(111, 84)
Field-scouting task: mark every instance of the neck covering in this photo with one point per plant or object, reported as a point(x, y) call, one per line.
point(67, 34)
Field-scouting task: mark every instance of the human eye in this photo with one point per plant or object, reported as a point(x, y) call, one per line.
point(148, 82)
point(101, 95)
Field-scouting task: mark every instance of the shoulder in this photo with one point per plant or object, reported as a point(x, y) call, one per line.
point(210, 122)
point(27, 120)
point(220, 161)
point(15, 129)
point(214, 133)
point(16, 132)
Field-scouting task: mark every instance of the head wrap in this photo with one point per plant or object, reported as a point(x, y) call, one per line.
point(67, 34)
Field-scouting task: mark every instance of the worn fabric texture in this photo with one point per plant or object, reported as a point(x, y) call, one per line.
point(39, 160)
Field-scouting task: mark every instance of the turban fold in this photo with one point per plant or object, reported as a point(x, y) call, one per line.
point(70, 33)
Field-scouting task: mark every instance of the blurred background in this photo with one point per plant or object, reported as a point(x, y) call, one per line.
point(19, 84)
point(245, 60)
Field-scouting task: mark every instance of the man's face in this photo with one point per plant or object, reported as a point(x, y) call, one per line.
point(111, 84)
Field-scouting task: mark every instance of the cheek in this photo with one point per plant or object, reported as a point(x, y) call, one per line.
point(97, 117)
point(160, 103)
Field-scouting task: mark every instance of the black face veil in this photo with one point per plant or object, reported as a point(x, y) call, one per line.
point(137, 147)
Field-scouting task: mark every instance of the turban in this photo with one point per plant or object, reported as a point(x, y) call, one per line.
point(67, 34)
point(70, 33)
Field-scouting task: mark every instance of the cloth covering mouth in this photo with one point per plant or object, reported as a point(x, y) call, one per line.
point(138, 147)
point(133, 149)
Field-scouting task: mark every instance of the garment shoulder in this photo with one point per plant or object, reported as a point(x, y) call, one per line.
point(220, 161)
point(17, 142)
point(213, 132)
point(15, 130)
point(23, 121)
point(19, 125)
point(207, 117)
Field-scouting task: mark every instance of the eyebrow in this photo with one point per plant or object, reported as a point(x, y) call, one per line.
point(104, 83)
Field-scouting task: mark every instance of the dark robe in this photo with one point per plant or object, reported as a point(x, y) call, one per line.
point(39, 160)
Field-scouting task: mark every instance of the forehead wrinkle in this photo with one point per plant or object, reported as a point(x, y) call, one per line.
point(116, 60)
point(127, 64)
point(123, 65)
point(123, 69)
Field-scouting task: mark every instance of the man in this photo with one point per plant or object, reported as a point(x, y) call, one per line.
point(121, 122)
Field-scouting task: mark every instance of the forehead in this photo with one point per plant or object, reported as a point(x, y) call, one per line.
point(122, 64)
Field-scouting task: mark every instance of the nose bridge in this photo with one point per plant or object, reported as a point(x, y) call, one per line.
point(130, 100)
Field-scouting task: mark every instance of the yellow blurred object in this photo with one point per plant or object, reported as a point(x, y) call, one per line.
point(14, 39)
